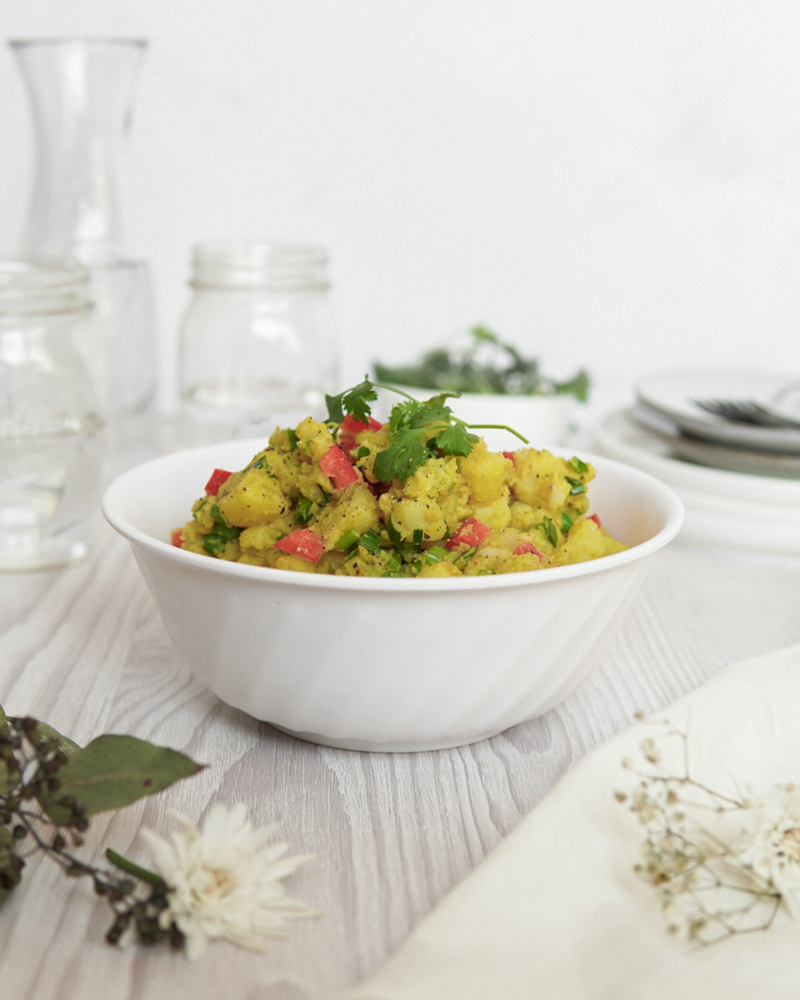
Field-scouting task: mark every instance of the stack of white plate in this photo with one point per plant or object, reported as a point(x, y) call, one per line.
point(740, 483)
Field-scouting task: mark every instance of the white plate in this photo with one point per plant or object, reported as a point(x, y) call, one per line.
point(673, 396)
point(732, 509)
point(717, 456)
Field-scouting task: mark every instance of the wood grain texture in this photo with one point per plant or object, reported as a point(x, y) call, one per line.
point(85, 649)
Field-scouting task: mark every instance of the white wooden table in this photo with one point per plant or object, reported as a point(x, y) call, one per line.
point(85, 649)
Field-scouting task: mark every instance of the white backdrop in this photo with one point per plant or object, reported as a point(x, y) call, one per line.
point(614, 184)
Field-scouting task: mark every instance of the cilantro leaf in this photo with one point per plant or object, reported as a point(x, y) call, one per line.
point(456, 440)
point(405, 454)
point(354, 401)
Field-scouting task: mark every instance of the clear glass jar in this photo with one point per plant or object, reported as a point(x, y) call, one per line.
point(257, 341)
point(51, 430)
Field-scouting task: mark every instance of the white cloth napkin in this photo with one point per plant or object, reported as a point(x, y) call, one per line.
point(555, 911)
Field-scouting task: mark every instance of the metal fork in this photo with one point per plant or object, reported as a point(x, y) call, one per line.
point(746, 411)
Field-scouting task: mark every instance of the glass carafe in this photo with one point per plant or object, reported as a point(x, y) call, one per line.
point(81, 97)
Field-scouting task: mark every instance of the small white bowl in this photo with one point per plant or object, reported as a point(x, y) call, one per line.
point(385, 664)
point(543, 420)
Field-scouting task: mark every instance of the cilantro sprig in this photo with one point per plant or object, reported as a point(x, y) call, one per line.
point(418, 430)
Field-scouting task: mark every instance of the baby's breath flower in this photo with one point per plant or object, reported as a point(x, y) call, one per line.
point(650, 751)
point(225, 880)
point(773, 851)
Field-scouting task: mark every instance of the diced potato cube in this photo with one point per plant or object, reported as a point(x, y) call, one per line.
point(355, 510)
point(409, 515)
point(313, 438)
point(255, 497)
point(485, 472)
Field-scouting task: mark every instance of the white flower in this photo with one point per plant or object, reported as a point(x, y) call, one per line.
point(225, 879)
point(773, 850)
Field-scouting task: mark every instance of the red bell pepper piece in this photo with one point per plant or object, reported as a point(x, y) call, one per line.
point(596, 519)
point(471, 533)
point(218, 477)
point(352, 426)
point(336, 467)
point(303, 542)
point(511, 456)
point(524, 547)
point(177, 538)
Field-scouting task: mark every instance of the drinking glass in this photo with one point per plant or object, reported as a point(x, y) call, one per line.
point(257, 340)
point(51, 428)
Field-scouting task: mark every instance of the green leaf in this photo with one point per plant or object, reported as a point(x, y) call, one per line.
point(354, 401)
point(578, 387)
point(403, 457)
point(304, 512)
point(112, 772)
point(46, 732)
point(456, 440)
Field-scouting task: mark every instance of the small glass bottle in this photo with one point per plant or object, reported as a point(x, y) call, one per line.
point(51, 440)
point(257, 341)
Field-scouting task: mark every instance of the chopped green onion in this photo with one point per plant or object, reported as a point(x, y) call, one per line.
point(580, 467)
point(213, 544)
point(325, 495)
point(262, 463)
point(218, 518)
point(576, 486)
point(418, 535)
point(566, 523)
point(393, 564)
point(394, 535)
point(486, 572)
point(435, 555)
point(304, 512)
point(227, 532)
point(371, 541)
point(291, 437)
point(348, 539)
point(465, 558)
point(549, 530)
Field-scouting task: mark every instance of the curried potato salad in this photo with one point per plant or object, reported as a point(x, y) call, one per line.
point(419, 496)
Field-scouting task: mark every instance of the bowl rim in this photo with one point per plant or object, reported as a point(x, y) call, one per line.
point(114, 493)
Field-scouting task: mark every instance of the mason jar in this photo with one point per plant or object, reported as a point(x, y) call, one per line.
point(257, 340)
point(51, 428)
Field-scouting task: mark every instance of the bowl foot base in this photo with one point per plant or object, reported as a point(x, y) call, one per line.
point(399, 746)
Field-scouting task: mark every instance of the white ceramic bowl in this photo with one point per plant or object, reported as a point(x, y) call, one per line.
point(538, 418)
point(385, 664)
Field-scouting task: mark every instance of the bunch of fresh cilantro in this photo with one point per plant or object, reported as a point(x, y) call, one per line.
point(418, 430)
